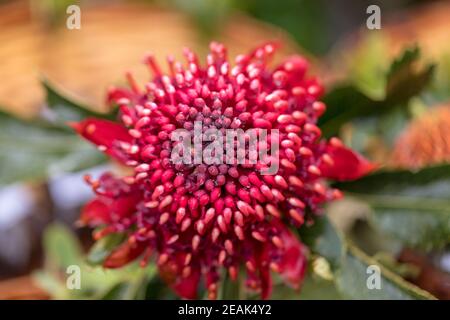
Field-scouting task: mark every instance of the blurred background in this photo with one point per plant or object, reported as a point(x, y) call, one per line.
point(38, 190)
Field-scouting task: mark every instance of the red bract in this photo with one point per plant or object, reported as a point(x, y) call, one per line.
point(200, 219)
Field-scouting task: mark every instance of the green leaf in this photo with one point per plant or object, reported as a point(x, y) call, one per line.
point(67, 109)
point(313, 288)
point(61, 246)
point(62, 249)
point(103, 248)
point(349, 266)
point(353, 276)
point(413, 207)
point(32, 150)
point(405, 60)
point(404, 80)
point(345, 103)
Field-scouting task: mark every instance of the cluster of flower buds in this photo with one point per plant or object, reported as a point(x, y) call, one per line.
point(198, 219)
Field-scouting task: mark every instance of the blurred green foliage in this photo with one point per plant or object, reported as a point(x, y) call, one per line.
point(45, 146)
point(37, 149)
point(307, 21)
point(62, 249)
point(412, 207)
point(52, 12)
point(349, 265)
point(374, 92)
point(207, 15)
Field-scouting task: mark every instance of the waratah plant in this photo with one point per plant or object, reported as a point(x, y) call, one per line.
point(198, 220)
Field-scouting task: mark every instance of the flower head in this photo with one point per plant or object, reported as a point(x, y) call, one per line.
point(198, 219)
point(425, 141)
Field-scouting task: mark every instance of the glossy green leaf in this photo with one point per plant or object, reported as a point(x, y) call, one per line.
point(350, 268)
point(66, 109)
point(353, 276)
point(32, 150)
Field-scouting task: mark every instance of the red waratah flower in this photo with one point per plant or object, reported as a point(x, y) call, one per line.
point(198, 219)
